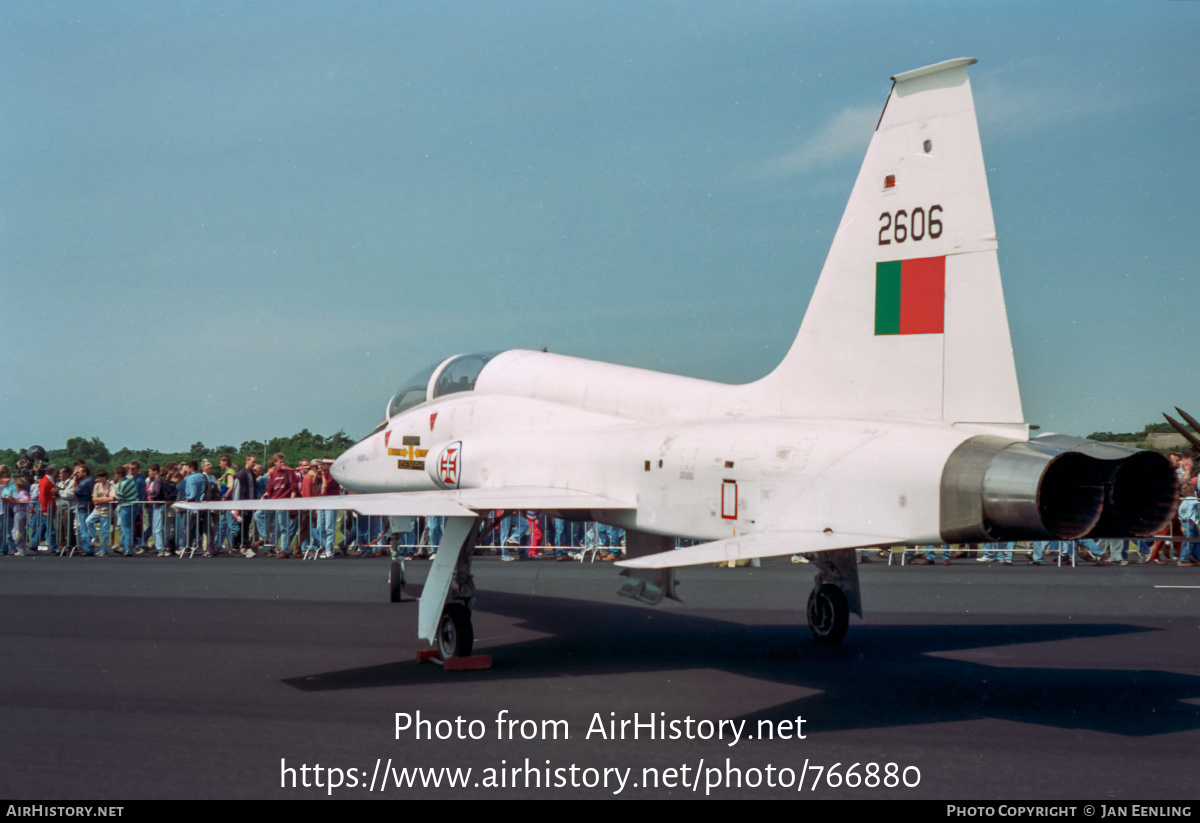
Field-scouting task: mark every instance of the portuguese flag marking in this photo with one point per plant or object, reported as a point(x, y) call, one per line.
point(910, 296)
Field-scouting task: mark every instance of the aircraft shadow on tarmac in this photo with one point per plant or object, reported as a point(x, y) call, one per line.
point(881, 676)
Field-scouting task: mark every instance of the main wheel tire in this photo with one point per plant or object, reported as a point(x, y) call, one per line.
point(395, 581)
point(456, 636)
point(828, 614)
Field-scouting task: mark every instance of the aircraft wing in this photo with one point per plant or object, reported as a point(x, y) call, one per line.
point(450, 503)
point(763, 544)
point(534, 497)
point(388, 503)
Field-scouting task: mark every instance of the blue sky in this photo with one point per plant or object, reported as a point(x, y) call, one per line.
point(225, 221)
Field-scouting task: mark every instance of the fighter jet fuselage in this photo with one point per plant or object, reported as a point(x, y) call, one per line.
point(895, 417)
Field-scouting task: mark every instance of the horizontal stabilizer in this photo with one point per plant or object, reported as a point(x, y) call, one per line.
point(450, 503)
point(764, 544)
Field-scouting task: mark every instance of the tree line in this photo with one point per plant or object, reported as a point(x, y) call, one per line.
point(303, 445)
point(1131, 437)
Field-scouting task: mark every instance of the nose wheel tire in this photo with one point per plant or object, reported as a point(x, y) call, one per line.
point(395, 581)
point(456, 637)
point(828, 614)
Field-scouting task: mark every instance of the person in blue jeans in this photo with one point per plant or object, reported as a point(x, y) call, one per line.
point(930, 556)
point(610, 541)
point(512, 530)
point(1189, 518)
point(437, 527)
point(127, 506)
point(99, 522)
point(1040, 547)
point(84, 483)
point(1000, 552)
point(563, 537)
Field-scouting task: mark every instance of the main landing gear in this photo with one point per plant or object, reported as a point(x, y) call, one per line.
point(834, 596)
point(828, 614)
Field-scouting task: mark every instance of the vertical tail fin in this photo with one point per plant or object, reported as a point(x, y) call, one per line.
point(908, 319)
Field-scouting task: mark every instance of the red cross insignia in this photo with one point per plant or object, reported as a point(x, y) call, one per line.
point(448, 466)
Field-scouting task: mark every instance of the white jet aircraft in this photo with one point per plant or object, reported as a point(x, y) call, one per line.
point(894, 419)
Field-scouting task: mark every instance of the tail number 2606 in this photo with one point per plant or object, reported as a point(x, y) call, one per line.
point(901, 226)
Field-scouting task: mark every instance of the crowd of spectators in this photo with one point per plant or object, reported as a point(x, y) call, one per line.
point(67, 510)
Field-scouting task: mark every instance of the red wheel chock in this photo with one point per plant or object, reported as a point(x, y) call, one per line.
point(455, 664)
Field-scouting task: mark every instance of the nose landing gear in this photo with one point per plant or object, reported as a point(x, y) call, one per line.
point(444, 616)
point(395, 580)
point(456, 635)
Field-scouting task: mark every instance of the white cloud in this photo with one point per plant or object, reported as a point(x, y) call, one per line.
point(1018, 97)
point(1029, 94)
point(844, 136)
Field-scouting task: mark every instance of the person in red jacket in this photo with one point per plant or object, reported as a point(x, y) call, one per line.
point(44, 533)
point(326, 519)
point(283, 484)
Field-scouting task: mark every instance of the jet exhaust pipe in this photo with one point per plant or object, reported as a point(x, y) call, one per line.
point(1053, 487)
point(1140, 496)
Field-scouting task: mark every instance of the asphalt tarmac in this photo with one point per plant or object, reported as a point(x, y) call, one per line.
point(231, 678)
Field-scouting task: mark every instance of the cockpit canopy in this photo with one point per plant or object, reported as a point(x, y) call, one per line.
point(456, 374)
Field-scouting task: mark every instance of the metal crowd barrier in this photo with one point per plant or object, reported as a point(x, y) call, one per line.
point(158, 527)
point(1142, 546)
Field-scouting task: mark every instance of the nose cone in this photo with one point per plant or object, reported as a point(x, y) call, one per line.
point(341, 471)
